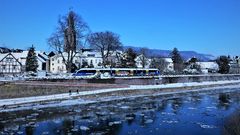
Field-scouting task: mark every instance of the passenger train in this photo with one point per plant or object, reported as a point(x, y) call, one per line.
point(117, 72)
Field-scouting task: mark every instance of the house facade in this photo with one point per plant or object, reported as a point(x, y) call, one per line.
point(82, 59)
point(170, 66)
point(91, 58)
point(234, 65)
point(208, 67)
point(10, 65)
point(15, 62)
point(142, 61)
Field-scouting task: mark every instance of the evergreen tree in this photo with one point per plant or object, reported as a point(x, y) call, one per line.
point(177, 60)
point(131, 55)
point(31, 61)
point(223, 63)
point(129, 60)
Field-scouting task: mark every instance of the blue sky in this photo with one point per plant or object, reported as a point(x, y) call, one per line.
point(205, 26)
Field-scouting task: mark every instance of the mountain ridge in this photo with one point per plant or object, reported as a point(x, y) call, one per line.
point(166, 53)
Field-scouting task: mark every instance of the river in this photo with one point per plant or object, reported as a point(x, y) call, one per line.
point(199, 113)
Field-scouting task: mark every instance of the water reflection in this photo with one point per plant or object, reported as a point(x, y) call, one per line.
point(177, 104)
point(224, 101)
point(29, 130)
point(184, 114)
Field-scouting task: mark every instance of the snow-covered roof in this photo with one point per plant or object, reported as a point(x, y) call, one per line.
point(209, 65)
point(91, 54)
point(169, 60)
point(2, 55)
point(20, 55)
point(23, 55)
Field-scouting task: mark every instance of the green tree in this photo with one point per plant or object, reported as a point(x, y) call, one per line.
point(223, 63)
point(128, 61)
point(31, 61)
point(177, 60)
point(193, 60)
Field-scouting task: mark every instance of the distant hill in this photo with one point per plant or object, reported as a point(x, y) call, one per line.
point(165, 53)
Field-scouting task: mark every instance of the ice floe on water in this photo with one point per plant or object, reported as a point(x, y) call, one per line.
point(148, 121)
point(170, 121)
point(114, 123)
point(211, 107)
point(168, 113)
point(151, 115)
point(84, 128)
point(124, 107)
point(206, 126)
point(192, 108)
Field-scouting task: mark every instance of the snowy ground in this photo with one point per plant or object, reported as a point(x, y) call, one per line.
point(67, 96)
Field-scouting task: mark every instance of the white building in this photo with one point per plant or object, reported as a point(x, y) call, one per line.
point(142, 61)
point(57, 64)
point(14, 62)
point(208, 67)
point(82, 59)
point(9, 64)
point(170, 65)
point(91, 58)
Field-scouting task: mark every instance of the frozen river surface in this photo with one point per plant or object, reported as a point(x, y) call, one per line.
point(205, 113)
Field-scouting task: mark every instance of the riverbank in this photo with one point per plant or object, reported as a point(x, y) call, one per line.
point(112, 93)
point(20, 89)
point(52, 86)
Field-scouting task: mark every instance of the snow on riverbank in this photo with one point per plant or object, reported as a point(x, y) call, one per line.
point(14, 101)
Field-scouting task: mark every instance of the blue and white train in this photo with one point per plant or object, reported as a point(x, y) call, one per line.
point(117, 72)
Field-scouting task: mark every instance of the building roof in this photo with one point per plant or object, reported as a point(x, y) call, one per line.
point(209, 65)
point(9, 54)
point(169, 60)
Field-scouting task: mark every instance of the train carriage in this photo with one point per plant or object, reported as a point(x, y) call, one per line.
point(116, 72)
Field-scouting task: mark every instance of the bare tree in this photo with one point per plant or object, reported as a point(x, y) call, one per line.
point(69, 36)
point(159, 63)
point(106, 43)
point(143, 56)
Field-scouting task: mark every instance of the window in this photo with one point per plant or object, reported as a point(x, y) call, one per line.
point(91, 55)
point(14, 67)
point(53, 64)
point(3, 67)
point(52, 59)
point(58, 61)
point(9, 59)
